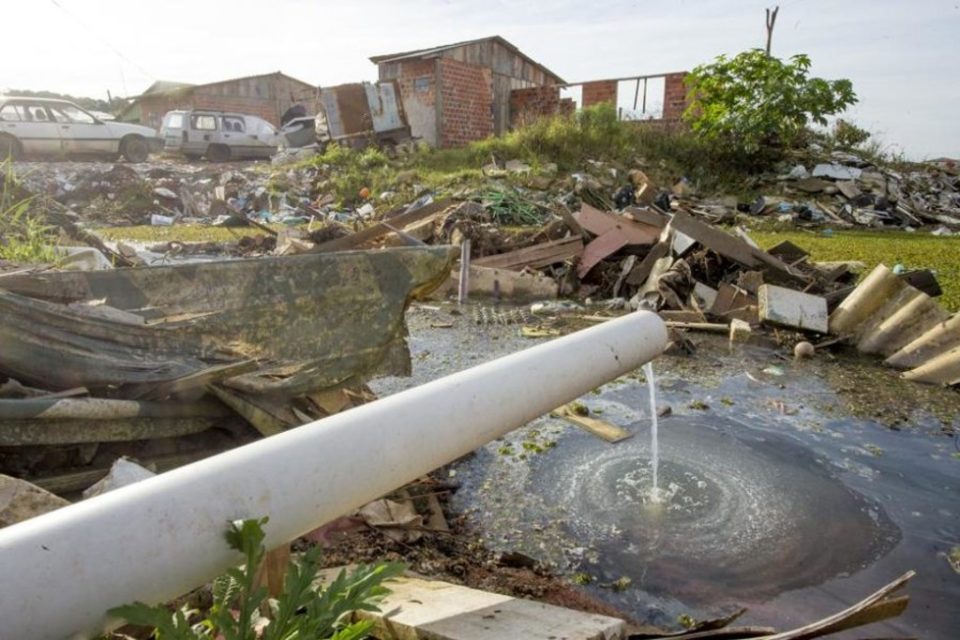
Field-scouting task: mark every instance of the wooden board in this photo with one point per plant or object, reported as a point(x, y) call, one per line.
point(600, 428)
point(600, 222)
point(642, 271)
point(535, 257)
point(375, 231)
point(599, 248)
point(430, 609)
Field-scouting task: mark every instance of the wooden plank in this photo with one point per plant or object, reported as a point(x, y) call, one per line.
point(379, 229)
point(715, 239)
point(601, 222)
point(535, 257)
point(647, 216)
point(261, 420)
point(600, 428)
point(642, 271)
point(599, 248)
point(713, 327)
point(418, 609)
point(840, 620)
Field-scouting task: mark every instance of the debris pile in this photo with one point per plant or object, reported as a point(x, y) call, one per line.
point(170, 363)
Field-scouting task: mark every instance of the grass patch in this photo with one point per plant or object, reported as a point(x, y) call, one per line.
point(912, 250)
point(24, 236)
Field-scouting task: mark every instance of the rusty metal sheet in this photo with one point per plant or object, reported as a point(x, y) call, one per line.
point(348, 112)
point(601, 222)
point(310, 321)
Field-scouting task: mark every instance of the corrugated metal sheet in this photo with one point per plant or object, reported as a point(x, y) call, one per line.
point(384, 103)
point(886, 316)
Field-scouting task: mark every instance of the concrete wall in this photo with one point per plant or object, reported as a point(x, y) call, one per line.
point(417, 80)
point(466, 102)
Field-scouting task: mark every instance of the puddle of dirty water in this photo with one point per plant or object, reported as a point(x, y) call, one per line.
point(778, 494)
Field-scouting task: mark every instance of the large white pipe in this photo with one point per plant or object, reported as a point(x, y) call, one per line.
point(155, 540)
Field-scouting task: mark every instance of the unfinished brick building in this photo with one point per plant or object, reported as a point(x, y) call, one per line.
point(266, 96)
point(457, 93)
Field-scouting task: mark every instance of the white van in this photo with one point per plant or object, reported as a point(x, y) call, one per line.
point(217, 135)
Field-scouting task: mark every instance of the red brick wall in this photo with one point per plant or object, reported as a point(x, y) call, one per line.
point(529, 104)
point(466, 103)
point(674, 96)
point(418, 92)
point(599, 92)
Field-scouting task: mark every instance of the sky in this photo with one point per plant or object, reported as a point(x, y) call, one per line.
point(902, 56)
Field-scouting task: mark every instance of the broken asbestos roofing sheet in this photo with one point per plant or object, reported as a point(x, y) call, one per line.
point(307, 322)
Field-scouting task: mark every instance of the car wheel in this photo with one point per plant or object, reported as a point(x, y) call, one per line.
point(218, 153)
point(135, 149)
point(9, 148)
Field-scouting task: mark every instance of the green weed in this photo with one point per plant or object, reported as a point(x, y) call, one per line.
point(303, 610)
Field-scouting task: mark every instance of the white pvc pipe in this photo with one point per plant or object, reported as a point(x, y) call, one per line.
point(157, 539)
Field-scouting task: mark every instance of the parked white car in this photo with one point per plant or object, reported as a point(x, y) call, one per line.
point(46, 127)
point(217, 135)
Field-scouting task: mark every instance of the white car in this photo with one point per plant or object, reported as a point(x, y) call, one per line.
point(218, 135)
point(45, 127)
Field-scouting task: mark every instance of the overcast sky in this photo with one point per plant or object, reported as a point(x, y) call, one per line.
point(902, 56)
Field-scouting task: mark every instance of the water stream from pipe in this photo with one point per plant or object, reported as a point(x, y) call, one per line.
point(654, 444)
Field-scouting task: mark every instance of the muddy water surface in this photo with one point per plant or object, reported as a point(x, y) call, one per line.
point(786, 489)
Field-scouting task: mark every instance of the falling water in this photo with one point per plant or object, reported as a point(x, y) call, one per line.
point(654, 445)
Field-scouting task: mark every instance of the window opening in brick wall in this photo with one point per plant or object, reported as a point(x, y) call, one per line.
point(574, 93)
point(640, 100)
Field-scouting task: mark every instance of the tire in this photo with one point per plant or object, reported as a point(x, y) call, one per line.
point(9, 148)
point(218, 153)
point(135, 149)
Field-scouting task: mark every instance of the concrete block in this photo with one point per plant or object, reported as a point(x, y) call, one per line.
point(794, 309)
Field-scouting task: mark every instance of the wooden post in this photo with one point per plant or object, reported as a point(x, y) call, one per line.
point(771, 20)
point(464, 287)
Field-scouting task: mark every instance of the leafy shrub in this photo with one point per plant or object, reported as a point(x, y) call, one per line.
point(304, 611)
point(848, 135)
point(756, 103)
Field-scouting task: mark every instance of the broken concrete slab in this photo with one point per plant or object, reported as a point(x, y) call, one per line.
point(504, 283)
point(21, 500)
point(787, 308)
point(836, 172)
point(122, 473)
point(740, 330)
point(420, 609)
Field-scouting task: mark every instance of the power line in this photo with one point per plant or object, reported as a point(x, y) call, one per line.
point(103, 40)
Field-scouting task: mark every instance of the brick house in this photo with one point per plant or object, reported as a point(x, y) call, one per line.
point(456, 93)
point(267, 96)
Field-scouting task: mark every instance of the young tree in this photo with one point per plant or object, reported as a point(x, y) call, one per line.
point(754, 102)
